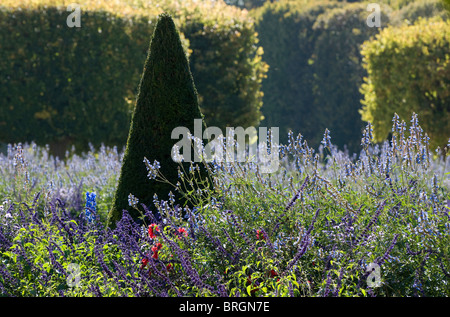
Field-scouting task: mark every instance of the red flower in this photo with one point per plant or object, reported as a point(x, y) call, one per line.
point(169, 267)
point(272, 274)
point(260, 235)
point(152, 229)
point(155, 250)
point(250, 282)
point(182, 232)
point(155, 254)
point(144, 263)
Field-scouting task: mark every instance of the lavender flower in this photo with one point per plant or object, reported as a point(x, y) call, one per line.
point(132, 200)
point(297, 195)
point(396, 125)
point(381, 260)
point(152, 169)
point(326, 141)
point(367, 136)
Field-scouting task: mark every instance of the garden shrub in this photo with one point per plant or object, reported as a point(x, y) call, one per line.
point(227, 63)
point(409, 71)
point(78, 85)
point(167, 99)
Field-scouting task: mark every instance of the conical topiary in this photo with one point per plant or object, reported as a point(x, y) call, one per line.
point(167, 99)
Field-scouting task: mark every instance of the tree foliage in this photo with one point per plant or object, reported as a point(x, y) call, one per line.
point(411, 12)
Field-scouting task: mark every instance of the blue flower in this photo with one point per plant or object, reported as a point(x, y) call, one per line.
point(396, 123)
point(91, 205)
point(153, 170)
point(132, 200)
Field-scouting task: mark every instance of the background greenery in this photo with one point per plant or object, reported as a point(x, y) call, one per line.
point(78, 85)
point(409, 72)
point(316, 70)
point(296, 64)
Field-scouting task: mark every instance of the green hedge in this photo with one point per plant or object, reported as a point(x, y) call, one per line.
point(411, 12)
point(315, 68)
point(338, 72)
point(409, 71)
point(61, 85)
point(286, 33)
point(167, 99)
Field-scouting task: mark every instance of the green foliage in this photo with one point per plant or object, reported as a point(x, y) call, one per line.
point(315, 68)
point(286, 34)
point(63, 85)
point(419, 9)
point(228, 63)
point(446, 4)
point(338, 72)
point(248, 4)
point(167, 99)
point(78, 85)
point(409, 71)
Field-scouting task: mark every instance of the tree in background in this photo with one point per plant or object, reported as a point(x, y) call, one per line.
point(409, 71)
point(167, 99)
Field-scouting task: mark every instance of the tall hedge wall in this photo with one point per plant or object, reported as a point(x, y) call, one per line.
point(62, 85)
point(315, 68)
point(409, 71)
point(338, 72)
point(411, 12)
point(285, 30)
